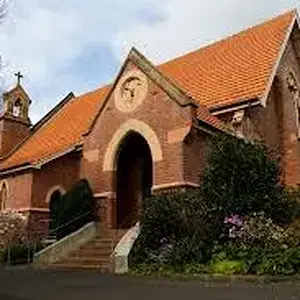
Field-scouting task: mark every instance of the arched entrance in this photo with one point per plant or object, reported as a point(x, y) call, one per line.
point(53, 209)
point(133, 178)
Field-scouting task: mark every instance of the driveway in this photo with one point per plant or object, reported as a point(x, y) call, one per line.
point(29, 284)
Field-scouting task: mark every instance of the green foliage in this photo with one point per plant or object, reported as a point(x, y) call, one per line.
point(176, 229)
point(242, 178)
point(260, 260)
point(227, 267)
point(75, 203)
point(19, 254)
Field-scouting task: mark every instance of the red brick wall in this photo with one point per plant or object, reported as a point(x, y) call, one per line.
point(276, 123)
point(195, 155)
point(12, 133)
point(158, 111)
point(162, 114)
point(63, 172)
point(19, 190)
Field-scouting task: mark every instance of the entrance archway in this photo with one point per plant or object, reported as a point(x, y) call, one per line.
point(53, 209)
point(133, 178)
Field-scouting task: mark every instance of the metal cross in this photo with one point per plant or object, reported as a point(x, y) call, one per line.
point(19, 76)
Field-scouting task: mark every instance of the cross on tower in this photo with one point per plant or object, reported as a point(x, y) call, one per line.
point(19, 77)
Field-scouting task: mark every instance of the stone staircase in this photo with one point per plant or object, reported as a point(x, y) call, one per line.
point(95, 254)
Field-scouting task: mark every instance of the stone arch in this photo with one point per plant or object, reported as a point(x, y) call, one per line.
point(132, 125)
point(3, 195)
point(52, 190)
point(53, 196)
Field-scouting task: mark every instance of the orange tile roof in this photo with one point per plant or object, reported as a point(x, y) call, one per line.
point(234, 69)
point(61, 132)
point(227, 71)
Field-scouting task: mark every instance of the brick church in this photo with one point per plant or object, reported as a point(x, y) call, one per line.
point(148, 131)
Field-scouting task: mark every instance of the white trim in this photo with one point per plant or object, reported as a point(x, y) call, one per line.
point(236, 107)
point(41, 163)
point(33, 209)
point(3, 204)
point(175, 184)
point(52, 190)
point(276, 65)
point(17, 169)
point(38, 165)
point(104, 195)
point(132, 125)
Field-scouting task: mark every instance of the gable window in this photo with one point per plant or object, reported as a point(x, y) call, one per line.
point(17, 108)
point(3, 196)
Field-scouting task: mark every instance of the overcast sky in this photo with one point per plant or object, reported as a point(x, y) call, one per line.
point(79, 45)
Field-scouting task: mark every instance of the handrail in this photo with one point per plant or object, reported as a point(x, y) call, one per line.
point(68, 223)
point(36, 242)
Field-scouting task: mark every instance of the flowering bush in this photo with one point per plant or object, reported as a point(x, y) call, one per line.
point(12, 229)
point(257, 229)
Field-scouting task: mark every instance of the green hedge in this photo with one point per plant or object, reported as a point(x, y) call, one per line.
point(19, 254)
point(75, 203)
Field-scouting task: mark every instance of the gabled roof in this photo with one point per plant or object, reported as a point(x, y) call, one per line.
point(59, 133)
point(234, 69)
point(226, 72)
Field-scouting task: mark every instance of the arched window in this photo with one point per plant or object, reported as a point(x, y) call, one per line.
point(54, 198)
point(17, 108)
point(3, 196)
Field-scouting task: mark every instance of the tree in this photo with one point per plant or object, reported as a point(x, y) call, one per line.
point(243, 178)
point(3, 9)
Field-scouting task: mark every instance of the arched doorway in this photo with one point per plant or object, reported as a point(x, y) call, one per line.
point(133, 178)
point(53, 209)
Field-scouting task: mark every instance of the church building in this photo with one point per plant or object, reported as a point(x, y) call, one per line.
point(148, 131)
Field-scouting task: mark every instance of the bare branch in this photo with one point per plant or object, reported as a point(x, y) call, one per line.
point(3, 9)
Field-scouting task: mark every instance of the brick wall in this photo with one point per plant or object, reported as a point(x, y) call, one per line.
point(276, 123)
point(19, 190)
point(12, 133)
point(195, 154)
point(166, 118)
point(62, 172)
point(161, 113)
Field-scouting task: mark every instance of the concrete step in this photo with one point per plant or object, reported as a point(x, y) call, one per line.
point(88, 260)
point(92, 251)
point(101, 268)
point(94, 254)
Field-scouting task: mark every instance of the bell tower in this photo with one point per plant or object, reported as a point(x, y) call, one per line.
point(14, 120)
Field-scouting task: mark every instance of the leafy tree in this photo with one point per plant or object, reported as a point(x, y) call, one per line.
point(243, 177)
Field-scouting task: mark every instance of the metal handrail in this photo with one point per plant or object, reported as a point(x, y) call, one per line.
point(67, 223)
point(35, 244)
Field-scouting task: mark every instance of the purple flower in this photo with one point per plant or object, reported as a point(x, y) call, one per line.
point(234, 220)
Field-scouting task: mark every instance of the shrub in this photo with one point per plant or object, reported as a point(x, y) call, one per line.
point(77, 202)
point(176, 229)
point(227, 267)
point(13, 227)
point(260, 260)
point(260, 230)
point(242, 178)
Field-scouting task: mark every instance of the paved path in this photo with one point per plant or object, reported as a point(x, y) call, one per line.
point(28, 284)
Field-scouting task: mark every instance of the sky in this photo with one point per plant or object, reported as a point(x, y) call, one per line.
point(79, 45)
